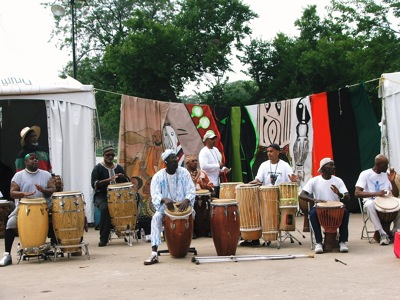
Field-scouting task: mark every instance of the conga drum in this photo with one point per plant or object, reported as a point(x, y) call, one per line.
point(303, 204)
point(227, 190)
point(288, 203)
point(68, 218)
point(387, 209)
point(202, 209)
point(249, 207)
point(225, 226)
point(5, 210)
point(269, 208)
point(178, 230)
point(330, 215)
point(122, 206)
point(33, 222)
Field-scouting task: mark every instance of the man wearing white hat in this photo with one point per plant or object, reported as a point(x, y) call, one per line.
point(210, 160)
point(29, 143)
point(323, 188)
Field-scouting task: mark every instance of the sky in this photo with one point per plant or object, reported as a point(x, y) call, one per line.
point(25, 30)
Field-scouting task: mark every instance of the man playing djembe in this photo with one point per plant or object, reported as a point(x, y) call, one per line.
point(324, 188)
point(169, 185)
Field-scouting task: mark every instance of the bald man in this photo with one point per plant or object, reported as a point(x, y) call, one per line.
point(374, 183)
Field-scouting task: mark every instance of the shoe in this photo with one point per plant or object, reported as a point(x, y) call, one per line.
point(343, 247)
point(250, 243)
point(147, 238)
point(153, 259)
point(318, 248)
point(194, 236)
point(6, 260)
point(384, 240)
point(102, 244)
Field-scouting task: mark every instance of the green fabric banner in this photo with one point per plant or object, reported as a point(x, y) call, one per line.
point(235, 133)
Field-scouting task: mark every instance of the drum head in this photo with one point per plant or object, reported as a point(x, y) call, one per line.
point(224, 202)
point(246, 186)
point(3, 201)
point(288, 184)
point(227, 184)
point(386, 203)
point(267, 187)
point(176, 212)
point(120, 185)
point(203, 192)
point(329, 204)
point(61, 194)
point(32, 200)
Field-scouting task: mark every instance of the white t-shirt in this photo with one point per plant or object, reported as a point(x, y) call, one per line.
point(320, 188)
point(209, 160)
point(279, 171)
point(373, 182)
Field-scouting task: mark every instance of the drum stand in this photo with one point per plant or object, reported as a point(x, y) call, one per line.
point(128, 235)
point(83, 247)
point(288, 235)
point(31, 252)
point(191, 250)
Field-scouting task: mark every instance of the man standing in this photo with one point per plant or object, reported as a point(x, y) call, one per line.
point(200, 178)
point(169, 185)
point(376, 182)
point(210, 160)
point(323, 188)
point(28, 183)
point(103, 174)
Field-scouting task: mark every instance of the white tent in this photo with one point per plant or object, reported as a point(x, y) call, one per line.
point(67, 109)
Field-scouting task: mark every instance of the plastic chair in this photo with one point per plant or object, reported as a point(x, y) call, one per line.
point(365, 233)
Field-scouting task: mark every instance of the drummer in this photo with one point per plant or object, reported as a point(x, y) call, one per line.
point(30, 182)
point(200, 178)
point(377, 182)
point(103, 174)
point(323, 188)
point(169, 185)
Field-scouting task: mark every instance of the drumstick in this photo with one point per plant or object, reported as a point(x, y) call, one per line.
point(337, 260)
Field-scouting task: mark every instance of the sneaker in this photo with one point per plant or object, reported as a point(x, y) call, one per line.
point(384, 240)
point(153, 259)
point(6, 260)
point(250, 243)
point(318, 248)
point(343, 247)
point(148, 238)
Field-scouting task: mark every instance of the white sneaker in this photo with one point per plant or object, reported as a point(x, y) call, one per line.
point(318, 249)
point(153, 259)
point(384, 240)
point(147, 238)
point(343, 247)
point(6, 260)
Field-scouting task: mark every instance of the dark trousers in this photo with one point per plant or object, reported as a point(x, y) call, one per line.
point(343, 229)
point(105, 221)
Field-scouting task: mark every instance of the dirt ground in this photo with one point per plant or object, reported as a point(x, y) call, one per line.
point(370, 271)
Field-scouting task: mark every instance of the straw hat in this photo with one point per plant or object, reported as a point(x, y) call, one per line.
point(26, 130)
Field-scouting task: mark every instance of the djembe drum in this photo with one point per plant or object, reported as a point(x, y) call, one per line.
point(178, 230)
point(33, 222)
point(5, 210)
point(122, 207)
point(68, 218)
point(269, 208)
point(387, 209)
point(288, 202)
point(249, 207)
point(330, 215)
point(202, 209)
point(225, 226)
point(303, 204)
point(227, 190)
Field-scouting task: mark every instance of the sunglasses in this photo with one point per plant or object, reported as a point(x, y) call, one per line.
point(110, 155)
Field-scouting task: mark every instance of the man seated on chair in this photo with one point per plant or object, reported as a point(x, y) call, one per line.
point(323, 188)
point(376, 182)
point(169, 185)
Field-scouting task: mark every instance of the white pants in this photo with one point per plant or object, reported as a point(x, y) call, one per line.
point(369, 208)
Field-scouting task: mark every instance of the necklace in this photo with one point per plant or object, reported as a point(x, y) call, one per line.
point(215, 155)
point(272, 175)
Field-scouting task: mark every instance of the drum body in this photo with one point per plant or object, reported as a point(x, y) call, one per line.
point(288, 203)
point(202, 209)
point(269, 208)
point(249, 207)
point(122, 206)
point(227, 190)
point(330, 215)
point(178, 229)
point(225, 226)
point(5, 210)
point(387, 209)
point(68, 217)
point(33, 222)
point(304, 208)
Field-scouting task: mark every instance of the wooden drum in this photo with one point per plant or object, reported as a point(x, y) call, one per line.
point(269, 207)
point(227, 190)
point(33, 222)
point(330, 216)
point(5, 210)
point(122, 206)
point(249, 207)
point(288, 203)
point(178, 229)
point(387, 209)
point(225, 226)
point(202, 209)
point(68, 218)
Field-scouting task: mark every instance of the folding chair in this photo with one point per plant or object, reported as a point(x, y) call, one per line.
point(365, 233)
